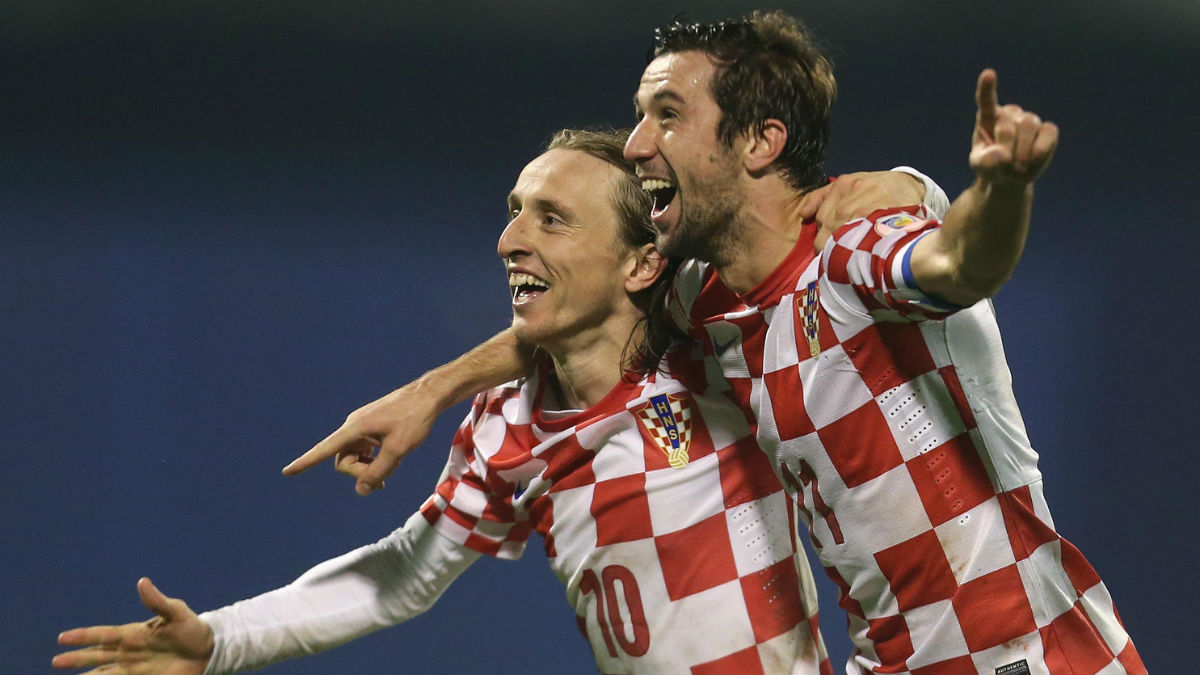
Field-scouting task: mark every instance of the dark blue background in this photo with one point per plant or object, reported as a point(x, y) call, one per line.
point(225, 225)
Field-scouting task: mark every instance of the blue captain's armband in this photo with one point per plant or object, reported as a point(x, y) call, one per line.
point(911, 282)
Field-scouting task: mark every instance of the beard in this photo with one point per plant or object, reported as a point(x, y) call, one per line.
point(707, 228)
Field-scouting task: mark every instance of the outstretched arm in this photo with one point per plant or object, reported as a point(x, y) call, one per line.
point(175, 642)
point(977, 248)
point(342, 599)
point(400, 421)
point(339, 600)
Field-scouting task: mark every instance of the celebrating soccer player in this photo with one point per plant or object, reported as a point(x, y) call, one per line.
point(666, 524)
point(874, 372)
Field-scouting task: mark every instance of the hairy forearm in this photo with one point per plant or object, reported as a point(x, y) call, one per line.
point(401, 421)
point(979, 244)
point(500, 359)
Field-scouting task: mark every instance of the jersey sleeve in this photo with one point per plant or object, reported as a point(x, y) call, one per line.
point(339, 600)
point(867, 266)
point(473, 503)
point(936, 202)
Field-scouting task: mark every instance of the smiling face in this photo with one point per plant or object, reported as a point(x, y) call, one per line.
point(567, 267)
point(692, 176)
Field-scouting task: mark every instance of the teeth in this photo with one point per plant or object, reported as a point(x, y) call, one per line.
point(515, 280)
point(651, 184)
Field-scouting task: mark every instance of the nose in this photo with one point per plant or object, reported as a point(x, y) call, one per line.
point(514, 240)
point(640, 145)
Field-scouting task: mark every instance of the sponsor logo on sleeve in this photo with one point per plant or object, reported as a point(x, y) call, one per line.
point(898, 221)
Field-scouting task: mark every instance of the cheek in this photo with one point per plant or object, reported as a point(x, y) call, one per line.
point(598, 283)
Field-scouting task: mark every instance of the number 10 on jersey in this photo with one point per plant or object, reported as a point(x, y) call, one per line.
point(608, 601)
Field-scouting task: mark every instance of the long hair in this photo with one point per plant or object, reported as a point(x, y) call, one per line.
point(633, 205)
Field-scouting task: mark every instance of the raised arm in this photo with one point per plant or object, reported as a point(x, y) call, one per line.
point(977, 248)
point(400, 421)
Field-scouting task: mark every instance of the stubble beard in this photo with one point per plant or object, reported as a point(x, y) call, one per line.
point(708, 227)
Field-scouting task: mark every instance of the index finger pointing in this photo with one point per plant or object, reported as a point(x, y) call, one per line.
point(986, 98)
point(332, 445)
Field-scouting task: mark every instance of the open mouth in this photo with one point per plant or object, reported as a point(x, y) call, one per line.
point(662, 192)
point(525, 288)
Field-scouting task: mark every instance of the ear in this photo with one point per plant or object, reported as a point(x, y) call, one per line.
point(764, 147)
point(647, 265)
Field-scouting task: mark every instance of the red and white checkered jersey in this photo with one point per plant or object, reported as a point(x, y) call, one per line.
point(890, 418)
point(673, 536)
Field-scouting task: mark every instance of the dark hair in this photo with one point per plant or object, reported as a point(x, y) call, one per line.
point(768, 67)
point(633, 206)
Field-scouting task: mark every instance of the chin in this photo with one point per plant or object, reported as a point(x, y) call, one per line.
point(665, 239)
point(521, 329)
point(529, 333)
point(671, 244)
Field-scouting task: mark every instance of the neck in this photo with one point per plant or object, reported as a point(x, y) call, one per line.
point(591, 365)
point(769, 225)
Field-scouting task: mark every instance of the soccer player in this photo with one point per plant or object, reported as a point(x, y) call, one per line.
point(666, 524)
point(874, 373)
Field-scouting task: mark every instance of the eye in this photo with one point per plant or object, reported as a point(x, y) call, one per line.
point(512, 214)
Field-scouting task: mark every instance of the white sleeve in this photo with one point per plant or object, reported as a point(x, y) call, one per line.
point(935, 197)
point(372, 587)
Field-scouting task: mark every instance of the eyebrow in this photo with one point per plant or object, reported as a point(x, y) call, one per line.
point(658, 96)
point(545, 205)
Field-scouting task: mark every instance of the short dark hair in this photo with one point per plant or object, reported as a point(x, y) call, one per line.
point(633, 205)
point(768, 67)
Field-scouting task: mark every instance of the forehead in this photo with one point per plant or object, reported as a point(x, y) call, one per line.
point(686, 75)
point(565, 175)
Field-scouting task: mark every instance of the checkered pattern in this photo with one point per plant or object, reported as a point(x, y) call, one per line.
point(672, 562)
point(901, 442)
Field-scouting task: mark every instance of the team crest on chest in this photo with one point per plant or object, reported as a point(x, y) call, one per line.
point(668, 418)
point(807, 301)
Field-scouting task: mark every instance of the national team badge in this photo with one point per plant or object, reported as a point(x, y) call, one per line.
point(808, 301)
point(668, 418)
point(898, 221)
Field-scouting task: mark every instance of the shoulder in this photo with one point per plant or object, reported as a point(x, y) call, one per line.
point(877, 237)
point(863, 233)
point(504, 403)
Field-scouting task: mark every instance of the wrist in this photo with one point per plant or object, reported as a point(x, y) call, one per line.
point(999, 186)
point(208, 643)
point(437, 388)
